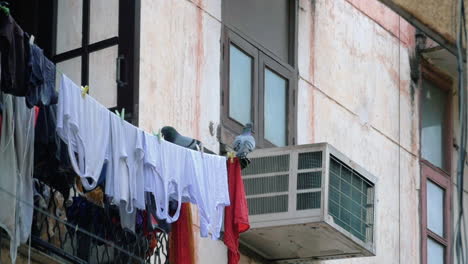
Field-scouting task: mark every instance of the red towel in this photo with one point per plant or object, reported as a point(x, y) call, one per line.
point(236, 217)
point(181, 240)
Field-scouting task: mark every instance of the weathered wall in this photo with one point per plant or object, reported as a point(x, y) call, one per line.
point(180, 79)
point(354, 91)
point(179, 67)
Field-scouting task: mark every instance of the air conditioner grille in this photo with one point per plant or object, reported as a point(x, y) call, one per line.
point(350, 200)
point(268, 205)
point(310, 160)
point(309, 180)
point(269, 164)
point(262, 185)
point(310, 200)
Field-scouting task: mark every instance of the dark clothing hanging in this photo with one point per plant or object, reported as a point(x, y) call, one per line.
point(51, 159)
point(236, 215)
point(14, 54)
point(41, 89)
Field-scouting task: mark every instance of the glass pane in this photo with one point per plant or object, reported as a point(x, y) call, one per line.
point(104, 20)
point(102, 70)
point(435, 208)
point(433, 115)
point(275, 108)
point(71, 68)
point(240, 85)
point(435, 252)
point(69, 25)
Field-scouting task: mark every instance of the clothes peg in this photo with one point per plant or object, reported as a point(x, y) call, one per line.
point(231, 155)
point(158, 135)
point(4, 8)
point(122, 114)
point(84, 90)
point(31, 40)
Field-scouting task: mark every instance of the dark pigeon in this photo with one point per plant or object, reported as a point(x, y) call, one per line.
point(171, 135)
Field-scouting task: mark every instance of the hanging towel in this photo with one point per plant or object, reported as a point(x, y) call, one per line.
point(237, 215)
point(181, 241)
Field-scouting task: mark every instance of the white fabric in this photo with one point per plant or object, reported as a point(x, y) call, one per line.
point(174, 172)
point(211, 187)
point(139, 162)
point(83, 124)
point(24, 142)
point(166, 173)
point(124, 178)
point(16, 163)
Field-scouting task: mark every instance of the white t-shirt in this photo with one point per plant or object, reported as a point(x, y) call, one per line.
point(83, 124)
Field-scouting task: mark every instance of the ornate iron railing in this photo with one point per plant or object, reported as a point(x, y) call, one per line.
point(79, 231)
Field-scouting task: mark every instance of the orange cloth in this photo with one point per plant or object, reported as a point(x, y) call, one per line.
point(181, 243)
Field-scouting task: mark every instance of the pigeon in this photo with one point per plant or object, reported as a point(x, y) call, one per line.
point(245, 142)
point(171, 135)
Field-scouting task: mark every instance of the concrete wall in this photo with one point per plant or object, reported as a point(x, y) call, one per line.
point(179, 67)
point(180, 79)
point(354, 91)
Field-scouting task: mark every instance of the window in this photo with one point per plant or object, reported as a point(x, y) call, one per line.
point(436, 195)
point(435, 165)
point(434, 124)
point(259, 70)
point(90, 41)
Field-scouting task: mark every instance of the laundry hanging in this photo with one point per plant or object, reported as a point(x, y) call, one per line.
point(82, 130)
point(237, 214)
point(16, 152)
point(135, 159)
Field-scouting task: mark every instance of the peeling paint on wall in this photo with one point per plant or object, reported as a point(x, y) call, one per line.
point(354, 91)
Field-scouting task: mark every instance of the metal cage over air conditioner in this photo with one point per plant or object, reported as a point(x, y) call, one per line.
point(308, 202)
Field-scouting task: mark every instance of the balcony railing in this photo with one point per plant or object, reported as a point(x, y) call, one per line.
point(83, 232)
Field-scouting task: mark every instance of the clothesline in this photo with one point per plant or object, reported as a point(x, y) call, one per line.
point(102, 149)
point(166, 170)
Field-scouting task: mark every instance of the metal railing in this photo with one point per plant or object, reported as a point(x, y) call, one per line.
point(78, 231)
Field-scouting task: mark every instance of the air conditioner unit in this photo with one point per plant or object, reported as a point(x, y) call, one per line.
point(308, 202)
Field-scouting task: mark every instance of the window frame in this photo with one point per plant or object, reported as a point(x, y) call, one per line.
point(128, 51)
point(430, 172)
point(261, 60)
point(266, 62)
point(439, 79)
point(230, 34)
point(247, 48)
point(437, 177)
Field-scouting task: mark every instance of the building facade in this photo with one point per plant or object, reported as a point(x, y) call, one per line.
point(351, 73)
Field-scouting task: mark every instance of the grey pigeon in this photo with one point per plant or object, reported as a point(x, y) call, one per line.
point(170, 134)
point(245, 142)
